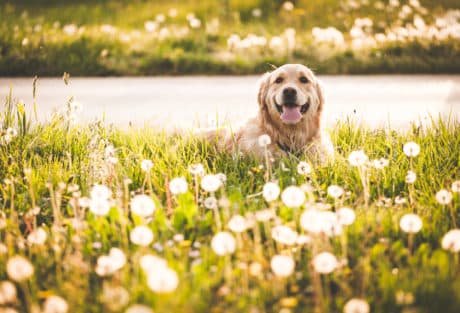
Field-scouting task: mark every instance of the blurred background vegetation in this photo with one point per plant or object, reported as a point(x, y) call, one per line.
point(106, 37)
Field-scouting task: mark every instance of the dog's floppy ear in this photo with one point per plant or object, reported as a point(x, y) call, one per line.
point(320, 93)
point(263, 89)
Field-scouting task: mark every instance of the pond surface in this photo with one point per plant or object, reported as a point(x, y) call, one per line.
point(170, 102)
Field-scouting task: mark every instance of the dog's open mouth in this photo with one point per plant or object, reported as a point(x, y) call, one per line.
point(291, 113)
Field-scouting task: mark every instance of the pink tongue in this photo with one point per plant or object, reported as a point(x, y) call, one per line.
point(291, 115)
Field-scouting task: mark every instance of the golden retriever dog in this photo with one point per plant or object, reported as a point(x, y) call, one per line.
point(290, 104)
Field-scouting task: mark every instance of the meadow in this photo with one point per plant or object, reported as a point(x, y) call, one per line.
point(94, 218)
point(106, 37)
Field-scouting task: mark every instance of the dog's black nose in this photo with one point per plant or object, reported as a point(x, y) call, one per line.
point(289, 92)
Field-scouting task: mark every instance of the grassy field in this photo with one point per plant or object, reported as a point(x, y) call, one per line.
point(76, 234)
point(227, 36)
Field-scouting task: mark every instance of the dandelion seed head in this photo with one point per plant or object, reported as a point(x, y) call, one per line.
point(411, 177)
point(100, 192)
point(151, 263)
point(164, 281)
point(223, 243)
point(284, 234)
point(282, 265)
point(210, 203)
point(456, 186)
point(264, 140)
point(335, 191)
point(288, 6)
point(7, 292)
point(146, 165)
point(358, 158)
point(356, 305)
point(237, 224)
point(303, 168)
point(55, 304)
point(444, 196)
point(271, 191)
point(142, 205)
point(411, 223)
point(411, 149)
point(141, 235)
point(138, 308)
point(37, 236)
point(380, 163)
point(19, 268)
point(451, 241)
point(293, 197)
point(265, 215)
point(99, 207)
point(210, 183)
point(345, 216)
point(324, 263)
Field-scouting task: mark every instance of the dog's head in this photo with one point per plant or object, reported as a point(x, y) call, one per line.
point(290, 95)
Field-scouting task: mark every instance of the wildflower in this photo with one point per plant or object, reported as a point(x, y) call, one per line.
point(12, 132)
point(195, 23)
point(196, 169)
point(303, 240)
point(100, 192)
point(99, 207)
point(150, 26)
point(316, 222)
point(256, 12)
point(163, 281)
point(141, 235)
point(380, 163)
point(146, 165)
point(411, 177)
point(7, 292)
point(265, 215)
point(324, 263)
point(451, 241)
point(444, 196)
point(271, 191)
point(282, 265)
point(284, 235)
point(55, 304)
point(37, 237)
point(456, 186)
point(400, 200)
point(411, 149)
point(264, 140)
point(410, 223)
point(356, 305)
point(138, 308)
point(142, 205)
point(223, 243)
point(222, 177)
point(172, 12)
point(237, 224)
point(357, 158)
point(303, 168)
point(114, 297)
point(335, 191)
point(293, 197)
point(70, 29)
point(109, 264)
point(19, 268)
point(345, 216)
point(210, 203)
point(288, 6)
point(210, 183)
point(150, 263)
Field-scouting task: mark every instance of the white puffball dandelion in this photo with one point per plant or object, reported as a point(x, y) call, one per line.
point(142, 205)
point(284, 234)
point(138, 308)
point(109, 264)
point(282, 265)
point(100, 192)
point(345, 216)
point(288, 6)
point(55, 304)
point(99, 207)
point(151, 263)
point(316, 222)
point(271, 191)
point(380, 163)
point(210, 203)
point(7, 292)
point(37, 236)
point(264, 140)
point(456, 186)
point(451, 241)
point(210, 183)
point(303, 168)
point(411, 177)
point(163, 281)
point(178, 185)
point(411, 223)
point(444, 196)
point(223, 243)
point(293, 197)
point(141, 235)
point(19, 268)
point(237, 224)
point(356, 305)
point(335, 191)
point(411, 149)
point(146, 165)
point(324, 263)
point(357, 158)
point(196, 169)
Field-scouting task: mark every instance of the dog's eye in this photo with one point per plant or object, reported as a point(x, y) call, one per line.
point(303, 79)
point(279, 80)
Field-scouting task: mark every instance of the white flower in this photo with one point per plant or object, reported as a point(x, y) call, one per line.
point(223, 243)
point(284, 235)
point(256, 12)
point(210, 183)
point(444, 196)
point(142, 205)
point(55, 304)
point(345, 216)
point(410, 223)
point(288, 6)
point(456, 186)
point(411, 177)
point(150, 26)
point(141, 235)
point(357, 158)
point(196, 169)
point(138, 308)
point(109, 264)
point(451, 240)
point(303, 239)
point(100, 192)
point(178, 185)
point(316, 222)
point(19, 268)
point(335, 191)
point(264, 140)
point(356, 305)
point(265, 215)
point(37, 237)
point(324, 263)
point(163, 281)
point(99, 207)
point(146, 165)
point(271, 191)
point(195, 23)
point(282, 265)
point(210, 203)
point(411, 149)
point(293, 197)
point(303, 168)
point(237, 224)
point(150, 263)
point(12, 132)
point(7, 292)
point(380, 163)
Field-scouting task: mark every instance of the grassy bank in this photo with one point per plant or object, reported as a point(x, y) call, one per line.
point(227, 37)
point(65, 229)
